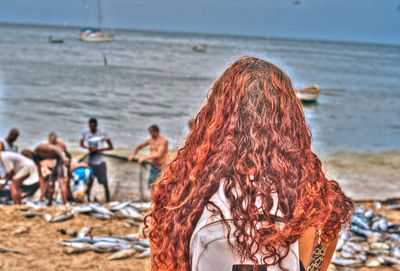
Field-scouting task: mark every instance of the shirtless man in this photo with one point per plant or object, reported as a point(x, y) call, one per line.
point(158, 152)
point(8, 143)
point(18, 168)
point(43, 152)
point(59, 171)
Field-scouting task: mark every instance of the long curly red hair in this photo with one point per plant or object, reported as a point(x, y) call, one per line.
point(251, 125)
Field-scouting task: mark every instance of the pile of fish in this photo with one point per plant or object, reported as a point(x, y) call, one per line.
point(133, 211)
point(122, 246)
point(372, 241)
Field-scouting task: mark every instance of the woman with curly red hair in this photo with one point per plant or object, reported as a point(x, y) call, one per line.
point(246, 192)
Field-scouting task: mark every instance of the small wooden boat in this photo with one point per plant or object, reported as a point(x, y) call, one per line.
point(308, 94)
point(200, 48)
point(52, 40)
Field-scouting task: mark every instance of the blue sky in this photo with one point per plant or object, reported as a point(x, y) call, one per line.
point(350, 20)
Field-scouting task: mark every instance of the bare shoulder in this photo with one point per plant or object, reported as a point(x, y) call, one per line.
point(164, 139)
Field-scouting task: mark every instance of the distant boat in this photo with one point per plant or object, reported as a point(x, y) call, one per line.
point(91, 34)
point(94, 35)
point(200, 48)
point(308, 94)
point(52, 40)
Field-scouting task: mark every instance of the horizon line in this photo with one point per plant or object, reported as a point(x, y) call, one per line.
point(205, 33)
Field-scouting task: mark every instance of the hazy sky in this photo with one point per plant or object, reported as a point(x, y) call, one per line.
point(351, 20)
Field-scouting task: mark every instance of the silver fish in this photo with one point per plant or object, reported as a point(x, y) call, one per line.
point(29, 214)
point(395, 252)
point(143, 243)
point(132, 213)
point(109, 246)
point(84, 231)
point(109, 239)
point(141, 206)
point(76, 250)
point(8, 250)
point(369, 214)
point(360, 231)
point(379, 246)
point(100, 215)
point(83, 209)
point(144, 254)
point(345, 262)
point(132, 237)
point(99, 209)
point(347, 254)
point(391, 260)
point(139, 248)
point(79, 240)
point(360, 221)
point(394, 238)
point(393, 207)
point(62, 218)
point(122, 254)
point(377, 205)
point(380, 225)
point(374, 262)
point(121, 205)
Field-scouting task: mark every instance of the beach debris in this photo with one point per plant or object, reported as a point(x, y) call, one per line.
point(8, 250)
point(47, 217)
point(122, 254)
point(21, 230)
point(371, 241)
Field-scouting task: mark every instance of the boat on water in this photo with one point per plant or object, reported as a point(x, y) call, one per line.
point(92, 34)
point(308, 94)
point(53, 40)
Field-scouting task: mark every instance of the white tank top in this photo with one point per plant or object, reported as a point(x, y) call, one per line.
point(209, 247)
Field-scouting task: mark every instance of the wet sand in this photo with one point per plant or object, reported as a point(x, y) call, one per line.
point(366, 175)
point(362, 176)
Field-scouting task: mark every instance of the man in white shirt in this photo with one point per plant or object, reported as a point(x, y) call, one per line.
point(18, 168)
point(96, 141)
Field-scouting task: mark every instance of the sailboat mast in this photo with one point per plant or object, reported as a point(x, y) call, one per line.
point(85, 7)
point(99, 12)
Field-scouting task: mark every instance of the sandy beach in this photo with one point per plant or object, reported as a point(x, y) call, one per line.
point(42, 251)
point(365, 177)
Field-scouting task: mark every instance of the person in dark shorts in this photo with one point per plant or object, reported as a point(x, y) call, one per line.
point(158, 156)
point(96, 141)
point(45, 152)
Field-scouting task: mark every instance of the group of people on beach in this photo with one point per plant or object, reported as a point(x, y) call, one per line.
point(52, 162)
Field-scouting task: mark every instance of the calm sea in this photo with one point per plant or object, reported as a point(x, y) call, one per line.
point(155, 78)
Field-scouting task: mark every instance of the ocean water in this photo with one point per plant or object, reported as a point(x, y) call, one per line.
point(155, 78)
